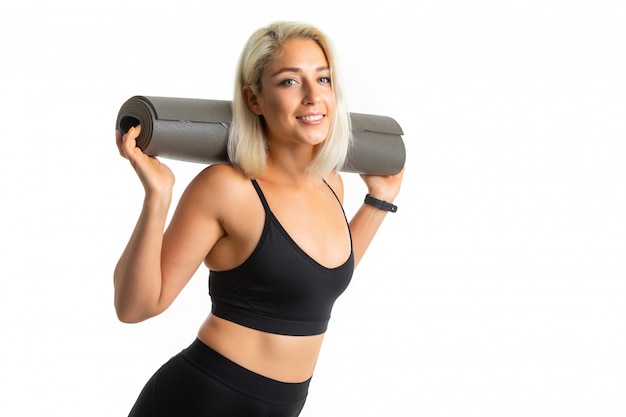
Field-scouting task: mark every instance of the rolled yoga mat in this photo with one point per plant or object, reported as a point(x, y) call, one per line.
point(196, 130)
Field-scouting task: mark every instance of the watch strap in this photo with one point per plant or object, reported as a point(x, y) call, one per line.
point(380, 204)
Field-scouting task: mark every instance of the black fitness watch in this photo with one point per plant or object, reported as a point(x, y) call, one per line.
point(380, 204)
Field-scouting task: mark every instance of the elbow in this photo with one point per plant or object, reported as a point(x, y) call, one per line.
point(130, 314)
point(128, 318)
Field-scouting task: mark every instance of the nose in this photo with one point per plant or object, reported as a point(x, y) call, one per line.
point(311, 93)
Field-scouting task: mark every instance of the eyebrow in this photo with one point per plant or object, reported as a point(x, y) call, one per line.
point(298, 70)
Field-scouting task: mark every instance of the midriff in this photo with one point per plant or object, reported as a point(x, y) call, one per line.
point(279, 357)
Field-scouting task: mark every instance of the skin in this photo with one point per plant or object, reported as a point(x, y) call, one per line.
point(219, 218)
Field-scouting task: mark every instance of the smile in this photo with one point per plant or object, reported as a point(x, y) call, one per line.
point(311, 118)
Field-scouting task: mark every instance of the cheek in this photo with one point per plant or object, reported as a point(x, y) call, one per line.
point(276, 112)
point(276, 102)
point(330, 97)
point(331, 104)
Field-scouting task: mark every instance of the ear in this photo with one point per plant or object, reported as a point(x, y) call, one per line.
point(251, 99)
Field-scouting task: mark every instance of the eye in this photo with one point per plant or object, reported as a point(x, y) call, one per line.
point(325, 80)
point(288, 82)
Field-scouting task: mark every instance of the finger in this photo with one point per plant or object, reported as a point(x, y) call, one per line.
point(130, 140)
point(134, 131)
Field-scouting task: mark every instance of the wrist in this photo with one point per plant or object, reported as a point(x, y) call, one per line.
point(382, 193)
point(380, 204)
point(158, 200)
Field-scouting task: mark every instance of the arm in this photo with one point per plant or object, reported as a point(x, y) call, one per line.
point(154, 268)
point(368, 219)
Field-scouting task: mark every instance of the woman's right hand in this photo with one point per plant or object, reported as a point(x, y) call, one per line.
point(155, 176)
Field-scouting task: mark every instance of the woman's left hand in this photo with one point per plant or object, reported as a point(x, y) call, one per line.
point(384, 187)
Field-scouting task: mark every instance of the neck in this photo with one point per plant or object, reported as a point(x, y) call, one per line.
point(290, 175)
point(290, 166)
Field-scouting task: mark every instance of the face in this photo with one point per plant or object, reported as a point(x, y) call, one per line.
point(297, 99)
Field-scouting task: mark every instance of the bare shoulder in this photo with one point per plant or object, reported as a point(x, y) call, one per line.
point(221, 177)
point(217, 187)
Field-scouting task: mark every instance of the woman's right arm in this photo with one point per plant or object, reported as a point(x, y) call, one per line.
point(156, 265)
point(137, 276)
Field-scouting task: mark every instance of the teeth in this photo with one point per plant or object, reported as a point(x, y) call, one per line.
point(311, 118)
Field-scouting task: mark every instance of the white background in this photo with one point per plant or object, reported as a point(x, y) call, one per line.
point(499, 287)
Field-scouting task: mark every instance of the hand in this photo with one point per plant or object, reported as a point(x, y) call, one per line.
point(384, 187)
point(155, 176)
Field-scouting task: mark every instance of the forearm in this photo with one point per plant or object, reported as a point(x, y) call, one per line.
point(368, 218)
point(137, 277)
point(363, 227)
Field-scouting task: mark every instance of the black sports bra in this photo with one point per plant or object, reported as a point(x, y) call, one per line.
point(279, 288)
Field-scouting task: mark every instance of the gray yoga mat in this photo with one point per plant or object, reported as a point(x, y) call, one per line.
point(196, 130)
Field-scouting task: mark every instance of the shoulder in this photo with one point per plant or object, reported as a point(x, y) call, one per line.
point(216, 187)
point(221, 178)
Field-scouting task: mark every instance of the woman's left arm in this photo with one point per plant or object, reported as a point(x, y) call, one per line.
point(368, 218)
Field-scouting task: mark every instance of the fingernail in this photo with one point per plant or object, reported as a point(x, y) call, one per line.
point(131, 129)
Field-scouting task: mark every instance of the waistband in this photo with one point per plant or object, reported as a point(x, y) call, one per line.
point(243, 380)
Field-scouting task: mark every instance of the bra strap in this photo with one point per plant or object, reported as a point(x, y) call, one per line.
point(257, 187)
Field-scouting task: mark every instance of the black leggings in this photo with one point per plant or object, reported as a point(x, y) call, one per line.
point(201, 382)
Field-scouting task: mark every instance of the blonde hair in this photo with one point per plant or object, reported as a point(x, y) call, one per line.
point(247, 142)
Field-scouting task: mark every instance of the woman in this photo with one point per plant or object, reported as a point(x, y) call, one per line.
point(271, 229)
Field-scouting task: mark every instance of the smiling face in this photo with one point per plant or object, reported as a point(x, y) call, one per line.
point(296, 99)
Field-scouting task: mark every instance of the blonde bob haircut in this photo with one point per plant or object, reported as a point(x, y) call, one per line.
point(247, 142)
